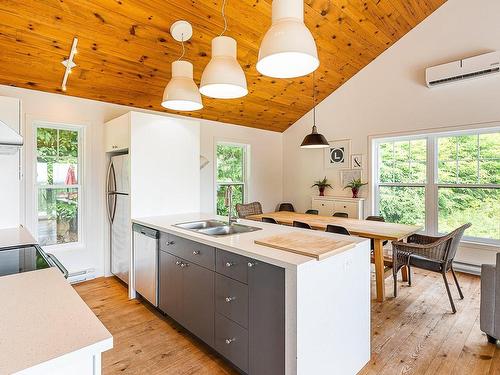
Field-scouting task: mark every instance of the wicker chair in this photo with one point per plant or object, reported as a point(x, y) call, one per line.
point(244, 210)
point(434, 254)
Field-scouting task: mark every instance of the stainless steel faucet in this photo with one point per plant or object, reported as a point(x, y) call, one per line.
point(228, 202)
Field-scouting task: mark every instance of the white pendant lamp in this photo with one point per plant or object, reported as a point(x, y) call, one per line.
point(223, 77)
point(288, 49)
point(181, 93)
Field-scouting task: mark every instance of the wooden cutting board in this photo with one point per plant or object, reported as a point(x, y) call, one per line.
point(310, 245)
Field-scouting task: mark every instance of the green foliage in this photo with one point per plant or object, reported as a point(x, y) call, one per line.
point(322, 183)
point(355, 184)
point(230, 169)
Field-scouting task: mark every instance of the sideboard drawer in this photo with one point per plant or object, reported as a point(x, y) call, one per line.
point(325, 207)
point(231, 299)
point(232, 265)
point(349, 208)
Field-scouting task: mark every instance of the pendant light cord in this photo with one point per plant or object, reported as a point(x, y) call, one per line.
point(314, 101)
point(224, 17)
point(183, 49)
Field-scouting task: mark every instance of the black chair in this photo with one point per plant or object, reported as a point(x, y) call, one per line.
point(312, 212)
point(286, 207)
point(340, 214)
point(300, 224)
point(269, 220)
point(376, 218)
point(434, 254)
point(337, 229)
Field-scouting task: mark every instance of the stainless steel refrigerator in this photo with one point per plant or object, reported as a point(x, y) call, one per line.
point(118, 206)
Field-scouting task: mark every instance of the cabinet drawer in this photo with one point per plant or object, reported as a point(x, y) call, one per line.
point(195, 252)
point(231, 299)
point(232, 265)
point(231, 341)
point(349, 208)
point(324, 207)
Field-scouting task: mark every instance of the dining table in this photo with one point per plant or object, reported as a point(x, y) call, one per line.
point(378, 231)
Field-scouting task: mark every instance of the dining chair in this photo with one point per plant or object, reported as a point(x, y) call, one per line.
point(286, 207)
point(312, 212)
point(337, 229)
point(244, 210)
point(340, 214)
point(269, 220)
point(300, 224)
point(434, 254)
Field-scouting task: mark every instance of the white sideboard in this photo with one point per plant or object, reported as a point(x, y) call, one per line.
point(328, 205)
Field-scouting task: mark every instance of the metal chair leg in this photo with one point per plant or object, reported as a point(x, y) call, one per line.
point(409, 274)
point(449, 293)
point(456, 282)
point(395, 277)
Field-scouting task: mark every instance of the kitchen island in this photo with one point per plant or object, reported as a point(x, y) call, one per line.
point(268, 311)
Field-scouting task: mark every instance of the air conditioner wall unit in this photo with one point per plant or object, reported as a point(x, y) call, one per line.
point(471, 68)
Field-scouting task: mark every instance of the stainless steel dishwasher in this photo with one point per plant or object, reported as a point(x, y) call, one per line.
point(146, 262)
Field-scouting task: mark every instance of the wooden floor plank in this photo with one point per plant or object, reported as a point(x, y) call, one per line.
point(415, 333)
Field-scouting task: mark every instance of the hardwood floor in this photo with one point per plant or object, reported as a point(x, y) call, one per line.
point(415, 333)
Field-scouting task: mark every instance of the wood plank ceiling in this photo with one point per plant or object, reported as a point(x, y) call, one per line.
point(125, 49)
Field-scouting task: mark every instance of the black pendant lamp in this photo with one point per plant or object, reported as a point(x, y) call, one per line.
point(314, 140)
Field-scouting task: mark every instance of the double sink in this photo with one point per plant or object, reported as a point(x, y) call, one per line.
point(216, 228)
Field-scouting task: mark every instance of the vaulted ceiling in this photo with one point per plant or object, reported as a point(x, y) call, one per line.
point(125, 49)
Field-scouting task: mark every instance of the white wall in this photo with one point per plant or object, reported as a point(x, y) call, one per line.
point(390, 96)
point(266, 180)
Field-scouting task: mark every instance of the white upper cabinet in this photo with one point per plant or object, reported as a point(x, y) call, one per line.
point(117, 134)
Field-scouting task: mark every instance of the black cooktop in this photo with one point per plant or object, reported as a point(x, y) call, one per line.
point(19, 259)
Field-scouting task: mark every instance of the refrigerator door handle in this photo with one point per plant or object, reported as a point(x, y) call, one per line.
point(111, 178)
point(114, 208)
point(108, 208)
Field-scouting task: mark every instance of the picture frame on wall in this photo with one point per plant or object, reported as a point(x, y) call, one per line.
point(338, 155)
point(348, 175)
point(357, 161)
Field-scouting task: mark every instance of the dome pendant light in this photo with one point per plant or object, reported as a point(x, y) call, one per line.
point(288, 49)
point(223, 77)
point(181, 93)
point(314, 140)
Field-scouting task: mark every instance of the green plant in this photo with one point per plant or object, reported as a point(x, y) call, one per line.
point(322, 184)
point(66, 211)
point(355, 184)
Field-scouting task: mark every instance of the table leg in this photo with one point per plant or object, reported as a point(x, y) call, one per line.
point(404, 273)
point(379, 269)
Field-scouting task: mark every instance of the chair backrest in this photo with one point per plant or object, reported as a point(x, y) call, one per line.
point(300, 224)
point(455, 238)
point(269, 220)
point(340, 214)
point(375, 218)
point(312, 212)
point(286, 207)
point(337, 229)
point(244, 210)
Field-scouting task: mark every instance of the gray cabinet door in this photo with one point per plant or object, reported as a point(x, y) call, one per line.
point(170, 286)
point(266, 326)
point(198, 288)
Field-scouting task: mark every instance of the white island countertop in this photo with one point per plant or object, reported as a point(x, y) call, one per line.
point(243, 243)
point(42, 318)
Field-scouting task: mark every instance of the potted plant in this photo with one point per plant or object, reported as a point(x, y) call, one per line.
point(322, 185)
point(355, 185)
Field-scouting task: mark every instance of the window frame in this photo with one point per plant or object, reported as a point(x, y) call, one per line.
point(432, 184)
point(246, 169)
point(79, 186)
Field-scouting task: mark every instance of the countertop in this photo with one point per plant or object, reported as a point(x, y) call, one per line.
point(238, 243)
point(42, 318)
point(15, 236)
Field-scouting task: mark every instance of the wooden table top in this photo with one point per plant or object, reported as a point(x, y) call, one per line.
point(362, 228)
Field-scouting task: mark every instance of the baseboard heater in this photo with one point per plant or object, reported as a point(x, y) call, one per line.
point(473, 269)
point(80, 276)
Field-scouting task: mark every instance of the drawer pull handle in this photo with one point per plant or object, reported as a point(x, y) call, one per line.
point(183, 265)
point(229, 264)
point(196, 252)
point(251, 264)
point(177, 263)
point(170, 243)
point(229, 341)
point(230, 299)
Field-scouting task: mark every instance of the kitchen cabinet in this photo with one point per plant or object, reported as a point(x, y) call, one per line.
point(328, 205)
point(117, 134)
point(236, 307)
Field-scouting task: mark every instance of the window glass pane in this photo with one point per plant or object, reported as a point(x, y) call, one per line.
point(238, 194)
point(481, 207)
point(401, 171)
point(489, 146)
point(467, 147)
point(447, 172)
point(386, 171)
point(405, 205)
point(403, 161)
point(447, 148)
point(489, 171)
point(230, 163)
point(402, 151)
point(418, 150)
point(57, 216)
point(467, 172)
point(418, 171)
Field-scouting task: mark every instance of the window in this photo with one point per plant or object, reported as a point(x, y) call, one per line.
point(441, 181)
point(230, 171)
point(58, 170)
